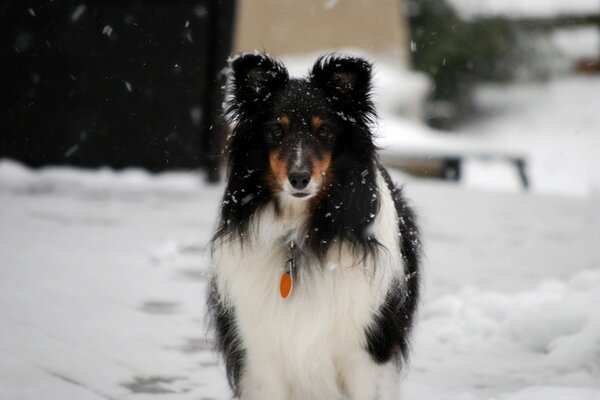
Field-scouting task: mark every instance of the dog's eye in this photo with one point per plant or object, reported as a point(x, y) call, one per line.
point(324, 132)
point(276, 132)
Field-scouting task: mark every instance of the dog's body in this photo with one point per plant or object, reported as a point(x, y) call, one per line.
point(307, 198)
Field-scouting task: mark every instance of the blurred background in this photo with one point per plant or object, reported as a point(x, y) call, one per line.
point(111, 173)
point(463, 86)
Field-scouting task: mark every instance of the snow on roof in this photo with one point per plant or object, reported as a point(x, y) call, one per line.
point(525, 9)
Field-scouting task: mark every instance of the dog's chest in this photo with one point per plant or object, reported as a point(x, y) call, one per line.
point(324, 317)
point(338, 291)
point(311, 337)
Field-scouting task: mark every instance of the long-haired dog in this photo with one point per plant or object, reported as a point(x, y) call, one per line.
point(316, 253)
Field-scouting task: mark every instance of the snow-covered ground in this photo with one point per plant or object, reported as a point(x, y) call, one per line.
point(102, 279)
point(555, 124)
point(576, 44)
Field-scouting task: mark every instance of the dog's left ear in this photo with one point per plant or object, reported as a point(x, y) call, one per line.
point(348, 79)
point(254, 77)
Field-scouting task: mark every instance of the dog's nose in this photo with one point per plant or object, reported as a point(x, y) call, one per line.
point(299, 180)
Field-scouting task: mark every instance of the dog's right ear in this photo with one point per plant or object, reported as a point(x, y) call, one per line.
point(254, 77)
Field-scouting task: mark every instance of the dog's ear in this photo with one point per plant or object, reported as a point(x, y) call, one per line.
point(348, 79)
point(254, 76)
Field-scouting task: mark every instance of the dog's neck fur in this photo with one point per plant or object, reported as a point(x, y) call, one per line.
point(291, 209)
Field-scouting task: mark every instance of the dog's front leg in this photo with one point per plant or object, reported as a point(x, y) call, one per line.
point(364, 379)
point(261, 381)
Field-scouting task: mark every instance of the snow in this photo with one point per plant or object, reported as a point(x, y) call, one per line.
point(83, 299)
point(397, 135)
point(102, 279)
point(78, 12)
point(554, 393)
point(553, 325)
point(555, 124)
point(525, 9)
point(577, 44)
point(490, 174)
point(107, 30)
point(330, 4)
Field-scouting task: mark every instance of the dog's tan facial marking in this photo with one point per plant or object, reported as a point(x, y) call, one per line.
point(321, 168)
point(323, 175)
point(279, 170)
point(284, 120)
point(315, 122)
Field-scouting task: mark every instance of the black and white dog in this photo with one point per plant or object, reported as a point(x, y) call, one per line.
point(316, 254)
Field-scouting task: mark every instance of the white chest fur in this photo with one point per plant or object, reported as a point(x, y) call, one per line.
point(312, 344)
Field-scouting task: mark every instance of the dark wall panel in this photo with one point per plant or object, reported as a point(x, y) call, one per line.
point(120, 83)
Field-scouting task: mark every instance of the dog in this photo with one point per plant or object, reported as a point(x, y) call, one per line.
point(316, 252)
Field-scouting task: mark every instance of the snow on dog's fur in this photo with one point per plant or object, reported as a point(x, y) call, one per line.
point(303, 170)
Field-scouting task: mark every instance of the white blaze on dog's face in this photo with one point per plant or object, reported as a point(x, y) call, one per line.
point(300, 155)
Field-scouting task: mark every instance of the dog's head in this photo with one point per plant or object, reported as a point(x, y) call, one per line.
point(303, 126)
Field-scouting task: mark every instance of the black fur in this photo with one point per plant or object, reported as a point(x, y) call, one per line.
point(338, 88)
point(228, 343)
point(388, 337)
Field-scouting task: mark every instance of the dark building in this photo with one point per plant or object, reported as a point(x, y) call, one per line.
point(118, 83)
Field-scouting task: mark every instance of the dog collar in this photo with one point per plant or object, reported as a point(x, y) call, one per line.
point(286, 285)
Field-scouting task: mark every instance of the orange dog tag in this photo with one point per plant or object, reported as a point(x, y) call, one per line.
point(286, 285)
